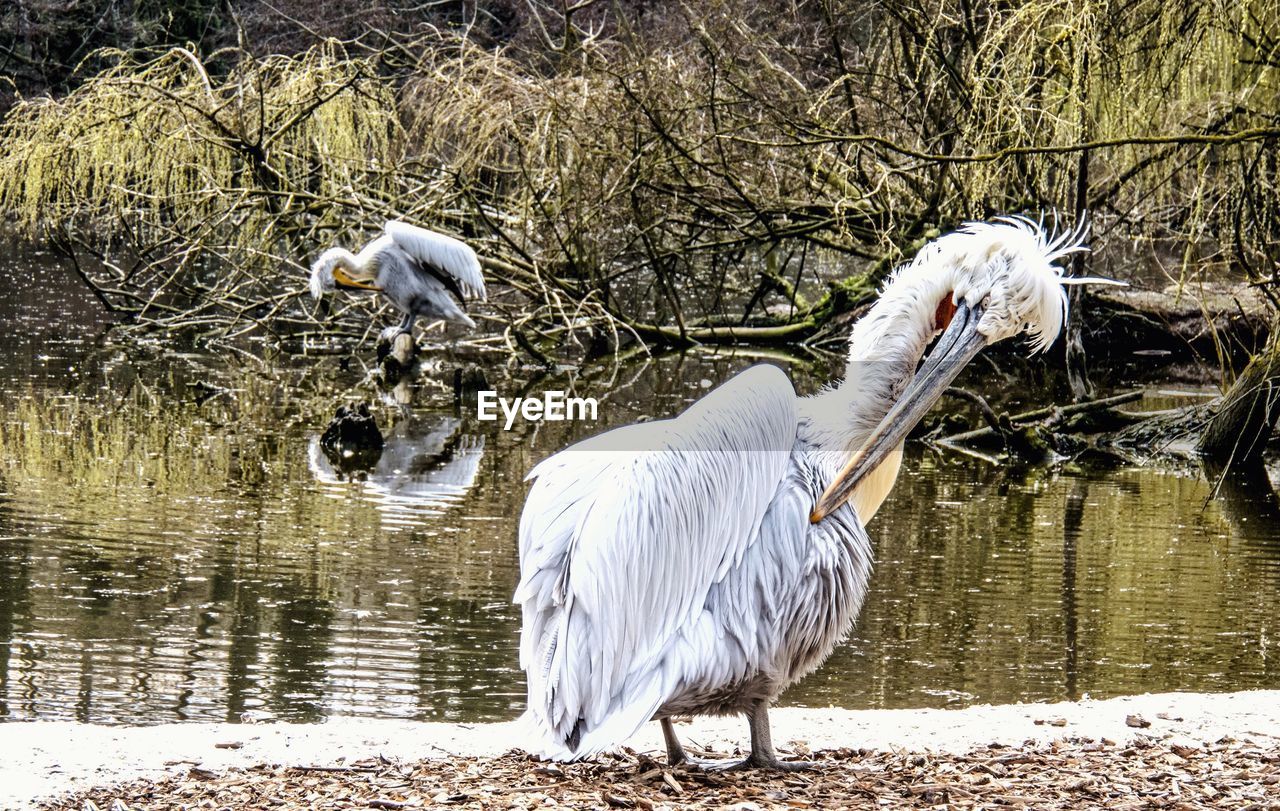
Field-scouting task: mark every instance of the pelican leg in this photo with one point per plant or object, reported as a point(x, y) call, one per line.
point(762, 755)
point(404, 327)
point(675, 752)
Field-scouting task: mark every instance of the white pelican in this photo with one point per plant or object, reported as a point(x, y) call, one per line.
point(701, 564)
point(419, 271)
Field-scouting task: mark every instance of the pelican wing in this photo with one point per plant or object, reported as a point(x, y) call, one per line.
point(447, 255)
point(622, 537)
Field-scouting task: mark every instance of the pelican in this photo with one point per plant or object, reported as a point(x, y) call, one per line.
point(419, 271)
point(701, 564)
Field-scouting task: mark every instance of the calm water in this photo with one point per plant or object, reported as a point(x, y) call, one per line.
point(173, 545)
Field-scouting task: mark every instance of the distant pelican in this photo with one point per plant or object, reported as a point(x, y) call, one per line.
point(700, 565)
point(421, 272)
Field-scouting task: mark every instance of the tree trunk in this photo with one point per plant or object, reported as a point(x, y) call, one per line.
point(1077, 361)
point(1238, 431)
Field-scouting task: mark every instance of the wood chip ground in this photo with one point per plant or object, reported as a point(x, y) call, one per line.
point(1063, 775)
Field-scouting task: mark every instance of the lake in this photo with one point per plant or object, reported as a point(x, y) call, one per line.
point(174, 545)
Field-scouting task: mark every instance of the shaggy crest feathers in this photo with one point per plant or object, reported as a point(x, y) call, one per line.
point(1008, 266)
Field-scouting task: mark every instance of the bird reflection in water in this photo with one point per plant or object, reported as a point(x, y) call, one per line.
point(426, 463)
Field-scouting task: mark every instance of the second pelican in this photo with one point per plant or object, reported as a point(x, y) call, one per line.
point(420, 272)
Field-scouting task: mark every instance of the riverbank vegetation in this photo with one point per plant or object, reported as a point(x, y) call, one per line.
point(676, 173)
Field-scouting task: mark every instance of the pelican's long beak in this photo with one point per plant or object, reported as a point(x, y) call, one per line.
point(958, 345)
point(343, 279)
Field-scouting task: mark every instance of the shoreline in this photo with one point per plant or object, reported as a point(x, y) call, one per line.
point(43, 760)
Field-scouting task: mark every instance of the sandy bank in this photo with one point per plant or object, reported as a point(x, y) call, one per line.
point(44, 759)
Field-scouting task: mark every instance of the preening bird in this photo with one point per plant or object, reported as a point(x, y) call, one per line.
point(700, 565)
point(420, 272)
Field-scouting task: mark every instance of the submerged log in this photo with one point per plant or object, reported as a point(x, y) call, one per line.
point(1230, 434)
point(1171, 434)
point(1092, 416)
point(1211, 321)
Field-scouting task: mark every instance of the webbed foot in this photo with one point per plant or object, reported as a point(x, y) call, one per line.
point(754, 762)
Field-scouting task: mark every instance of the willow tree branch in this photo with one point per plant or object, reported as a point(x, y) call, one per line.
point(1190, 139)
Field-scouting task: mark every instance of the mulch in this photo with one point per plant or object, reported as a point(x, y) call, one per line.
point(1069, 774)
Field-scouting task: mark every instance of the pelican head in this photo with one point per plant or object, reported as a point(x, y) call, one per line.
point(1012, 279)
point(336, 268)
point(981, 284)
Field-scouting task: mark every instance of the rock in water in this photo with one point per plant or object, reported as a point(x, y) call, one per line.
point(352, 441)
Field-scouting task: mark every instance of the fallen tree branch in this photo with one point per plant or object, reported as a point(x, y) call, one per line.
point(1051, 415)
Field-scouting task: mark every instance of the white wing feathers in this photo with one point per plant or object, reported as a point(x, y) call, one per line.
point(621, 539)
point(444, 253)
